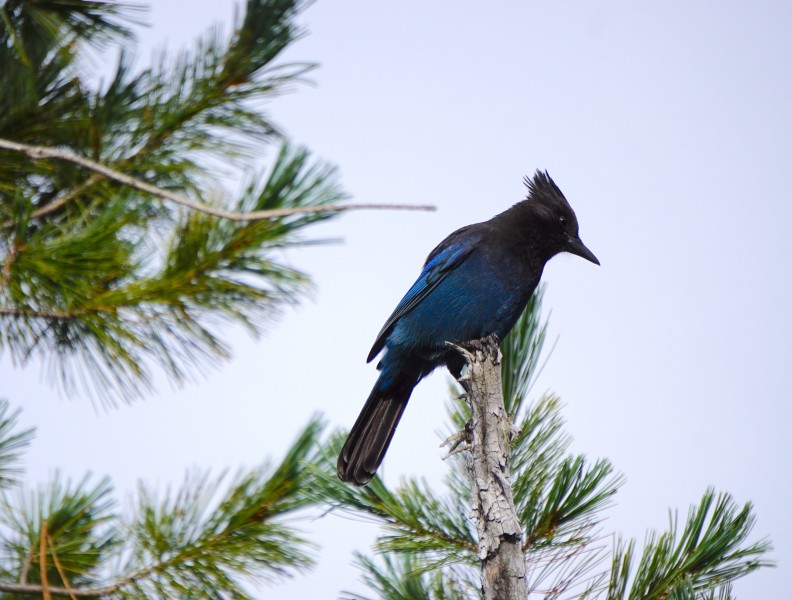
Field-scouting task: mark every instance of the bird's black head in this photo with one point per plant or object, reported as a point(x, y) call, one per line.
point(557, 219)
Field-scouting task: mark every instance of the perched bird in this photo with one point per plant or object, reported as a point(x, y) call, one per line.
point(476, 283)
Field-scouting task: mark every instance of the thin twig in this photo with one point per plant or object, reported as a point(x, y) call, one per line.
point(41, 152)
point(58, 566)
point(45, 314)
point(62, 199)
point(45, 592)
point(59, 200)
point(32, 589)
point(27, 564)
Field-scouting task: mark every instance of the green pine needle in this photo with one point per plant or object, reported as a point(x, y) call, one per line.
point(212, 534)
point(401, 577)
point(12, 443)
point(204, 539)
point(79, 518)
point(711, 551)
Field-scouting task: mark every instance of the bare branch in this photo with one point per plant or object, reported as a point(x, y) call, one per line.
point(32, 589)
point(42, 152)
point(503, 574)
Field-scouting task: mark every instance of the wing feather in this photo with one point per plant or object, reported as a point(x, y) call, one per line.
point(448, 255)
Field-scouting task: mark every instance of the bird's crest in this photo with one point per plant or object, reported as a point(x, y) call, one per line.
point(542, 188)
point(544, 199)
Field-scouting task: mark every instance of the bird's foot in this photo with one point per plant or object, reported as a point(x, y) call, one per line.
point(482, 344)
point(488, 346)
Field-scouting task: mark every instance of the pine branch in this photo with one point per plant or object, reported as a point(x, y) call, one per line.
point(562, 544)
point(416, 521)
point(195, 541)
point(93, 21)
point(12, 443)
point(60, 201)
point(119, 250)
point(94, 289)
point(402, 577)
point(206, 537)
point(71, 517)
point(40, 152)
point(699, 562)
point(30, 589)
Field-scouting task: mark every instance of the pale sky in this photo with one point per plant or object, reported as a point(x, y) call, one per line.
point(668, 127)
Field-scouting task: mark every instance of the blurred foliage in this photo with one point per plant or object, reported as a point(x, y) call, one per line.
point(104, 282)
point(12, 442)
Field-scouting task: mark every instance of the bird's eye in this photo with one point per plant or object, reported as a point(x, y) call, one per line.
point(563, 221)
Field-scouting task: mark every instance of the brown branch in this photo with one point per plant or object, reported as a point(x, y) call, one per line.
point(42, 152)
point(97, 592)
point(32, 589)
point(45, 592)
point(58, 566)
point(106, 590)
point(12, 251)
point(65, 197)
point(503, 573)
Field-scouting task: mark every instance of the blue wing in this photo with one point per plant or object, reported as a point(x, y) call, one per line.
point(443, 259)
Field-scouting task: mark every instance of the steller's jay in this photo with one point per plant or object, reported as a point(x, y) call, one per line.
point(476, 283)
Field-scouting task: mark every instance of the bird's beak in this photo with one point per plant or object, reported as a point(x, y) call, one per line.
point(575, 246)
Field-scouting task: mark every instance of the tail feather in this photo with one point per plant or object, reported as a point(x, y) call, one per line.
point(371, 434)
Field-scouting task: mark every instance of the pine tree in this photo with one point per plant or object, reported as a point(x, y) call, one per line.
point(122, 251)
point(428, 547)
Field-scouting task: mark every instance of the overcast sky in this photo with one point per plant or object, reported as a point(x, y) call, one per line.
point(667, 125)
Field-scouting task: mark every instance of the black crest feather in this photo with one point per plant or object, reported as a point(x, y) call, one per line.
point(542, 185)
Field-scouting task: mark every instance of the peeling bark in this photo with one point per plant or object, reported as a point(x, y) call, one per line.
point(499, 531)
